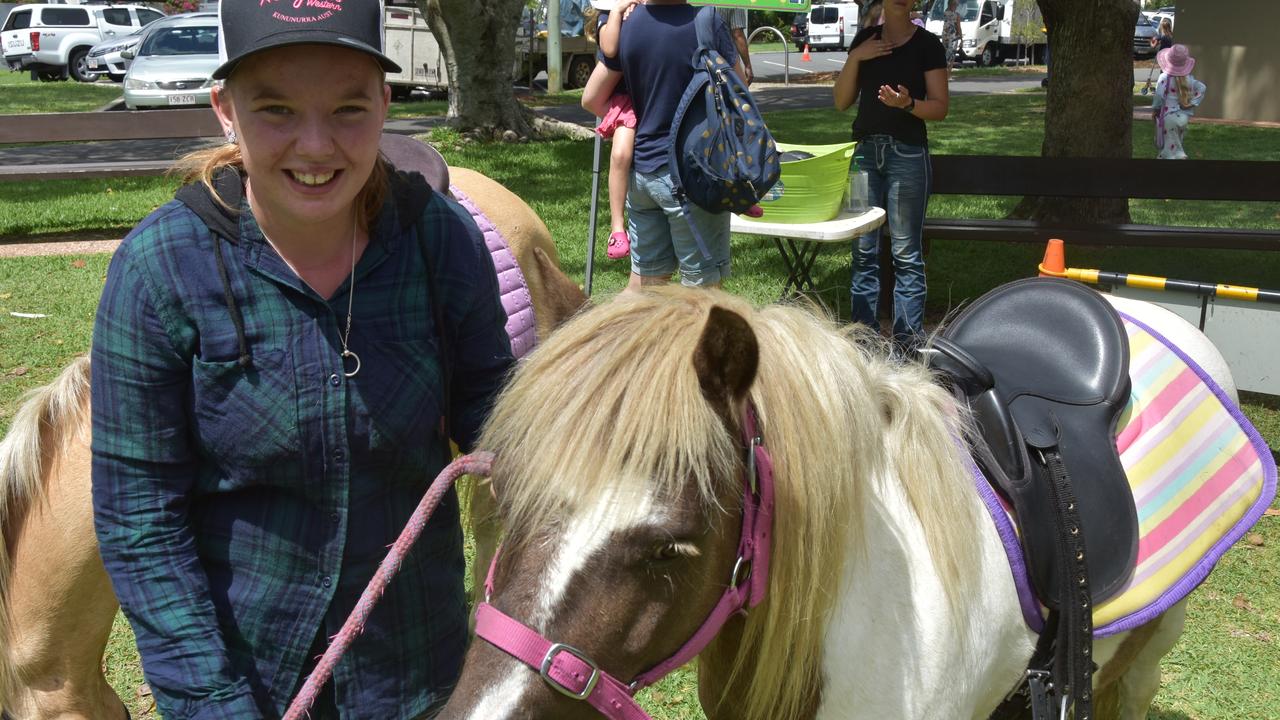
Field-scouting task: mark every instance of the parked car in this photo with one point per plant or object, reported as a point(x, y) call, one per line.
point(53, 41)
point(174, 63)
point(104, 58)
point(1143, 33)
point(800, 30)
point(1162, 13)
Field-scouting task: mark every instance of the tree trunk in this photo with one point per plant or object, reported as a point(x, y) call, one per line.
point(477, 39)
point(1090, 101)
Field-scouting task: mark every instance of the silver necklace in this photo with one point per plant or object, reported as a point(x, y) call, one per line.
point(351, 295)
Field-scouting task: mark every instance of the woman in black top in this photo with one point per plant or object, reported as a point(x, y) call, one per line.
point(897, 72)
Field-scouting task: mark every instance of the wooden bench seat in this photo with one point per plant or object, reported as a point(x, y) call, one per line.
point(1129, 235)
point(1229, 180)
point(96, 126)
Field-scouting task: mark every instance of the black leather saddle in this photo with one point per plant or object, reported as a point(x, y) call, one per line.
point(1044, 366)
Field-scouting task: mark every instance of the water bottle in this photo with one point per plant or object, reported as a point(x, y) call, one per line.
point(857, 194)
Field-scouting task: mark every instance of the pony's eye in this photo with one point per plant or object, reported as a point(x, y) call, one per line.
point(673, 551)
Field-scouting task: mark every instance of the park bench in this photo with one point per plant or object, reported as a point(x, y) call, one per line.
point(1242, 330)
point(1233, 180)
point(93, 126)
point(1230, 180)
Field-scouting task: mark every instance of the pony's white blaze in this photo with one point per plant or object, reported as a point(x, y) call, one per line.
point(895, 586)
point(503, 698)
point(585, 536)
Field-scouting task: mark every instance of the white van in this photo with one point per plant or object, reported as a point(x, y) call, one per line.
point(832, 26)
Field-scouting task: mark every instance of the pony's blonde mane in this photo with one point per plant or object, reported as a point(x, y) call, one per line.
point(558, 426)
point(613, 397)
point(47, 419)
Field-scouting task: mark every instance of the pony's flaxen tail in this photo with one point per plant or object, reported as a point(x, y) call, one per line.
point(47, 417)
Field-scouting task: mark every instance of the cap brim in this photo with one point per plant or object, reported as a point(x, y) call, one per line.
point(307, 37)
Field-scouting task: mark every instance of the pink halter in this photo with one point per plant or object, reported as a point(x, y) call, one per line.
point(570, 672)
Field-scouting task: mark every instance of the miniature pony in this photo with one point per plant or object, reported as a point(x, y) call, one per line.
point(890, 593)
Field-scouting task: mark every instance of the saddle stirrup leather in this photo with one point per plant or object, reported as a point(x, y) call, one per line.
point(1042, 365)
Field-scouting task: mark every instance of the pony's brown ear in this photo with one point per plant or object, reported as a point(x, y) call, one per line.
point(726, 360)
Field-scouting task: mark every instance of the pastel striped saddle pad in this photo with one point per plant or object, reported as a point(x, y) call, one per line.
point(1201, 477)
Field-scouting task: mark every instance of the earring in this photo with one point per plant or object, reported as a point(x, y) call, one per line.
point(231, 137)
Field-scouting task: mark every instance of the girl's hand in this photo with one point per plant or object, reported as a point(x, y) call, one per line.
point(899, 98)
point(871, 49)
point(626, 6)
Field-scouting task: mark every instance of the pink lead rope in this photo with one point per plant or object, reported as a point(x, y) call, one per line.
point(565, 668)
point(479, 464)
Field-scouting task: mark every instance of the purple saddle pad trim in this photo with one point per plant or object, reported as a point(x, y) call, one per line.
point(522, 326)
point(1031, 610)
point(1012, 550)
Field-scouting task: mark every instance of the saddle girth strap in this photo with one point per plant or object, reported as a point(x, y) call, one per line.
point(1060, 673)
point(1073, 653)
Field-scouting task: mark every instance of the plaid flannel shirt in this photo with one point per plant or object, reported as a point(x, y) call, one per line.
point(241, 512)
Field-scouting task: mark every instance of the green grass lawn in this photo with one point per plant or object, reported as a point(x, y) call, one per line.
point(19, 94)
point(767, 44)
point(418, 108)
point(1227, 667)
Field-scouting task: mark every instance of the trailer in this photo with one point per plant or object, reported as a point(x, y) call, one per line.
point(577, 48)
point(412, 46)
point(577, 58)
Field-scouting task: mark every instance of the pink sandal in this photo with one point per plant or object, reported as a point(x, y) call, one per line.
point(619, 245)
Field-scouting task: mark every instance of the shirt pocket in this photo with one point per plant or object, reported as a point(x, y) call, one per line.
point(401, 402)
point(247, 417)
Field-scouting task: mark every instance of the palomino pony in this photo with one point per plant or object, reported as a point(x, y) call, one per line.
point(619, 463)
point(56, 602)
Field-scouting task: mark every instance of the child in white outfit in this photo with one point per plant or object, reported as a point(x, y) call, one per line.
point(1174, 101)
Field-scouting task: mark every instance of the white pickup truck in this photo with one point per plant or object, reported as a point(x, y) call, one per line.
point(53, 41)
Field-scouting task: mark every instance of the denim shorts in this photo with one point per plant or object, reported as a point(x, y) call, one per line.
point(662, 237)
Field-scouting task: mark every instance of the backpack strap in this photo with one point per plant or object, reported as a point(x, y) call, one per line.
point(705, 25)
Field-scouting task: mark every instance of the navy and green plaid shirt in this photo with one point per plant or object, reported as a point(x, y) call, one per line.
point(241, 512)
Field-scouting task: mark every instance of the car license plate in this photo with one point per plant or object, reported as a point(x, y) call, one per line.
point(182, 99)
point(93, 63)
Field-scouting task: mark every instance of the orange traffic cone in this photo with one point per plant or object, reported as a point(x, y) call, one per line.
point(1055, 262)
point(805, 56)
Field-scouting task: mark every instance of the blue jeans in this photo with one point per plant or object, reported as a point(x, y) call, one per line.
point(898, 180)
point(662, 238)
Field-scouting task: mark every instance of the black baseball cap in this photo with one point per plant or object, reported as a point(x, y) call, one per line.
point(250, 26)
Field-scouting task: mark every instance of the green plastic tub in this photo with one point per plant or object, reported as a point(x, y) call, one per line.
point(808, 190)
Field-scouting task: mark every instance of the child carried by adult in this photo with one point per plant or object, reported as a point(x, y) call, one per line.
point(653, 53)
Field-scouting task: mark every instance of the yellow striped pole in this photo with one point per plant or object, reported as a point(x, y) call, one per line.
point(1053, 267)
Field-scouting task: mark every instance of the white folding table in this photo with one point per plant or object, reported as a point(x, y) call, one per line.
point(798, 243)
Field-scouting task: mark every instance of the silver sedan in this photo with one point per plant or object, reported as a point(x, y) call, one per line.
point(174, 64)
